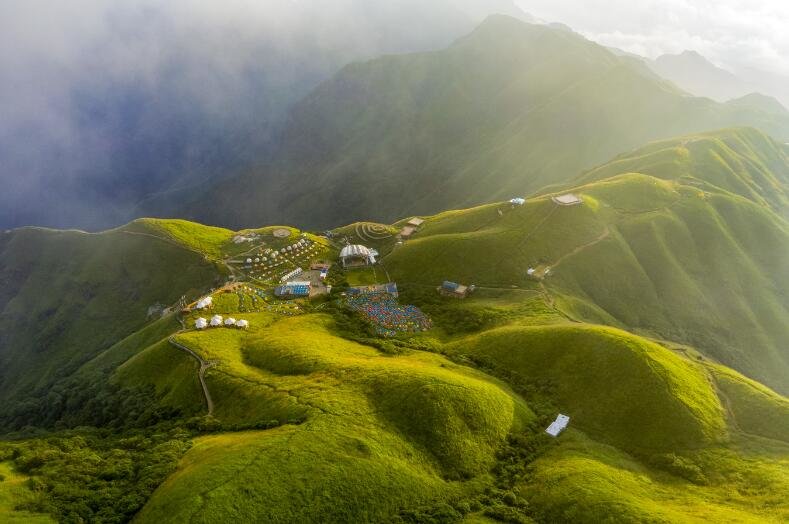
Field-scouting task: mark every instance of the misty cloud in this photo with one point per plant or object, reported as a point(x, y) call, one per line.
point(104, 104)
point(738, 35)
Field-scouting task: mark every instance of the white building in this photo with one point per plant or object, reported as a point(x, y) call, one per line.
point(230, 321)
point(243, 324)
point(567, 200)
point(201, 323)
point(216, 320)
point(558, 425)
point(518, 201)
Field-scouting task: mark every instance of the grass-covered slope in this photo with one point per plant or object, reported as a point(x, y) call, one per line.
point(66, 296)
point(615, 386)
point(502, 112)
point(661, 256)
point(742, 161)
point(378, 433)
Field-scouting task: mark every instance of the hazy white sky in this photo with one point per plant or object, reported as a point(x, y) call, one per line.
point(735, 34)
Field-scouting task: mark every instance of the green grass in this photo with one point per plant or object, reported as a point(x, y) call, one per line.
point(172, 373)
point(678, 245)
point(583, 481)
point(617, 387)
point(380, 433)
point(72, 296)
point(755, 409)
point(14, 492)
point(653, 256)
point(197, 237)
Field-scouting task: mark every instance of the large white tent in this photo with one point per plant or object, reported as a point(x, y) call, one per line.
point(353, 252)
point(216, 320)
point(201, 323)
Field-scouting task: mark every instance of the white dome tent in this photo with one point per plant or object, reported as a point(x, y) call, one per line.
point(216, 320)
point(356, 255)
point(201, 323)
point(204, 302)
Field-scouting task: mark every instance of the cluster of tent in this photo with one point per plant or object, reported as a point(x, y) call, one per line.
point(218, 321)
point(387, 316)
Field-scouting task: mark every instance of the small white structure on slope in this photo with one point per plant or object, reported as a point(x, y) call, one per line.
point(243, 324)
point(216, 320)
point(518, 201)
point(567, 200)
point(356, 255)
point(230, 321)
point(204, 302)
point(558, 425)
point(201, 323)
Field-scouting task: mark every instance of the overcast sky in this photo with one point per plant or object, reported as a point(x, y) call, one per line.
point(735, 34)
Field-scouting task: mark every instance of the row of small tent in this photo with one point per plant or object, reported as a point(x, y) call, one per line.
point(298, 246)
point(218, 321)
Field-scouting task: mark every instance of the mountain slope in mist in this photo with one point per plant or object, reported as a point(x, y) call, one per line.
point(138, 99)
point(502, 112)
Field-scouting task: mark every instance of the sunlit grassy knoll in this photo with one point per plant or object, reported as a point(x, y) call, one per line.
point(741, 161)
point(618, 387)
point(755, 409)
point(13, 493)
point(583, 481)
point(380, 432)
point(204, 239)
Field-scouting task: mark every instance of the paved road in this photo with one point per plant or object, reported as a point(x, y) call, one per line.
point(204, 365)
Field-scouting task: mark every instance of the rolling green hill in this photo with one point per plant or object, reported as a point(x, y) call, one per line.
point(696, 256)
point(504, 111)
point(66, 296)
point(659, 328)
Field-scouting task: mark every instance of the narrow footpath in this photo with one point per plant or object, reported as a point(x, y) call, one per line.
point(204, 365)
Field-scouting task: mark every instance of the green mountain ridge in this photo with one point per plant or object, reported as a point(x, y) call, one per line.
point(504, 111)
point(660, 330)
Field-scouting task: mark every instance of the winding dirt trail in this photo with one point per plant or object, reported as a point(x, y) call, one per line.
point(204, 365)
point(580, 248)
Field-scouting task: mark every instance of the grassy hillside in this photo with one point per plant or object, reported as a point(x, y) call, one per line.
point(378, 433)
point(663, 257)
point(504, 111)
point(741, 161)
point(614, 385)
point(656, 320)
point(67, 296)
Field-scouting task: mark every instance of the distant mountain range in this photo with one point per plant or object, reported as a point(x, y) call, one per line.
point(698, 76)
point(504, 111)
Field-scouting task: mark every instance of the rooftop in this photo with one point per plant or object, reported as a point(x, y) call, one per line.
point(568, 199)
